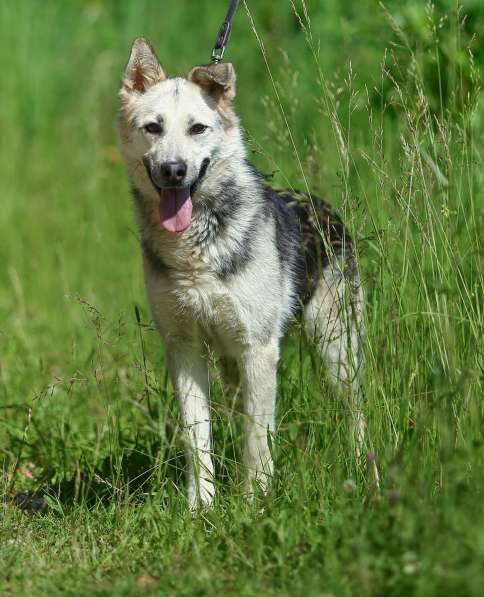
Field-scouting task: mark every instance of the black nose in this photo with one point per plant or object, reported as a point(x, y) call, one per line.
point(173, 172)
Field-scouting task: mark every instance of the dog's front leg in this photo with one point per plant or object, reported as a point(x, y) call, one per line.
point(189, 372)
point(258, 369)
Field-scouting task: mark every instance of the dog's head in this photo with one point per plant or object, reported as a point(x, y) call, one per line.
point(173, 130)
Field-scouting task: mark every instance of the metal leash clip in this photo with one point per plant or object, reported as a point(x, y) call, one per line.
point(221, 43)
point(224, 33)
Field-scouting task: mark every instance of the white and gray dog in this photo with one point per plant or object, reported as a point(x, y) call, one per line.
point(229, 262)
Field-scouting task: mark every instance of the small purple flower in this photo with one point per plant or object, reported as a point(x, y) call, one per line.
point(393, 496)
point(370, 458)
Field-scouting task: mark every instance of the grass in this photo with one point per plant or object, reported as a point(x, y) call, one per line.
point(379, 110)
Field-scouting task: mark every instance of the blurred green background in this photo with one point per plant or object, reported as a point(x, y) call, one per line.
point(379, 108)
point(65, 193)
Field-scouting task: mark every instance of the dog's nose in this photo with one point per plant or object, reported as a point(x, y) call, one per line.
point(173, 172)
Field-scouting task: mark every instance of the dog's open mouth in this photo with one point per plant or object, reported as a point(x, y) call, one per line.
point(175, 208)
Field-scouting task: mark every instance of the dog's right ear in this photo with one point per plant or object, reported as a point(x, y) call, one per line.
point(143, 69)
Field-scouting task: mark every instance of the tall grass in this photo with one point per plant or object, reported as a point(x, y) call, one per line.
point(380, 114)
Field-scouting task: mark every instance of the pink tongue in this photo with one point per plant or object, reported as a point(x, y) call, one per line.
point(175, 209)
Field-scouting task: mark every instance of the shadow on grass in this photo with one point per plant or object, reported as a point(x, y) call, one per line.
point(131, 475)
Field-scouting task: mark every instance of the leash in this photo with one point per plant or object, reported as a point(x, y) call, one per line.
point(224, 33)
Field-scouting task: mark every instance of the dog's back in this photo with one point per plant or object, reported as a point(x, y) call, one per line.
point(310, 231)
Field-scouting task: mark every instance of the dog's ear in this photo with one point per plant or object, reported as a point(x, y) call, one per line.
point(218, 80)
point(143, 69)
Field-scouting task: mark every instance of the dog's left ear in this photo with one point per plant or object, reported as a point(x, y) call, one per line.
point(218, 80)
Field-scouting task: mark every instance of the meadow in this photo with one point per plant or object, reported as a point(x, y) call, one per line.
point(378, 109)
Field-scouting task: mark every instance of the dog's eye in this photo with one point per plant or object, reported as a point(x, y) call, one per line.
point(197, 129)
point(154, 128)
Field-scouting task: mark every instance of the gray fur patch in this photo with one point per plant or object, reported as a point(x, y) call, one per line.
point(156, 262)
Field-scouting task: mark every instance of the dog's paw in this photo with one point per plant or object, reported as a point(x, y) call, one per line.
point(200, 494)
point(257, 483)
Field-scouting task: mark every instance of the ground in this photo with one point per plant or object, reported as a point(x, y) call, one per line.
point(378, 109)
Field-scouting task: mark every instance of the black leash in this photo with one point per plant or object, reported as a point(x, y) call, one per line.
point(224, 33)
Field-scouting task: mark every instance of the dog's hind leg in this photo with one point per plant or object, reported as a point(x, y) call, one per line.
point(189, 373)
point(332, 322)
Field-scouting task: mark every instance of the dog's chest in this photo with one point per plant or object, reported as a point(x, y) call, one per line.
point(181, 299)
point(201, 296)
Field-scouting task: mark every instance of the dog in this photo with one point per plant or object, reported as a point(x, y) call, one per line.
point(230, 262)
